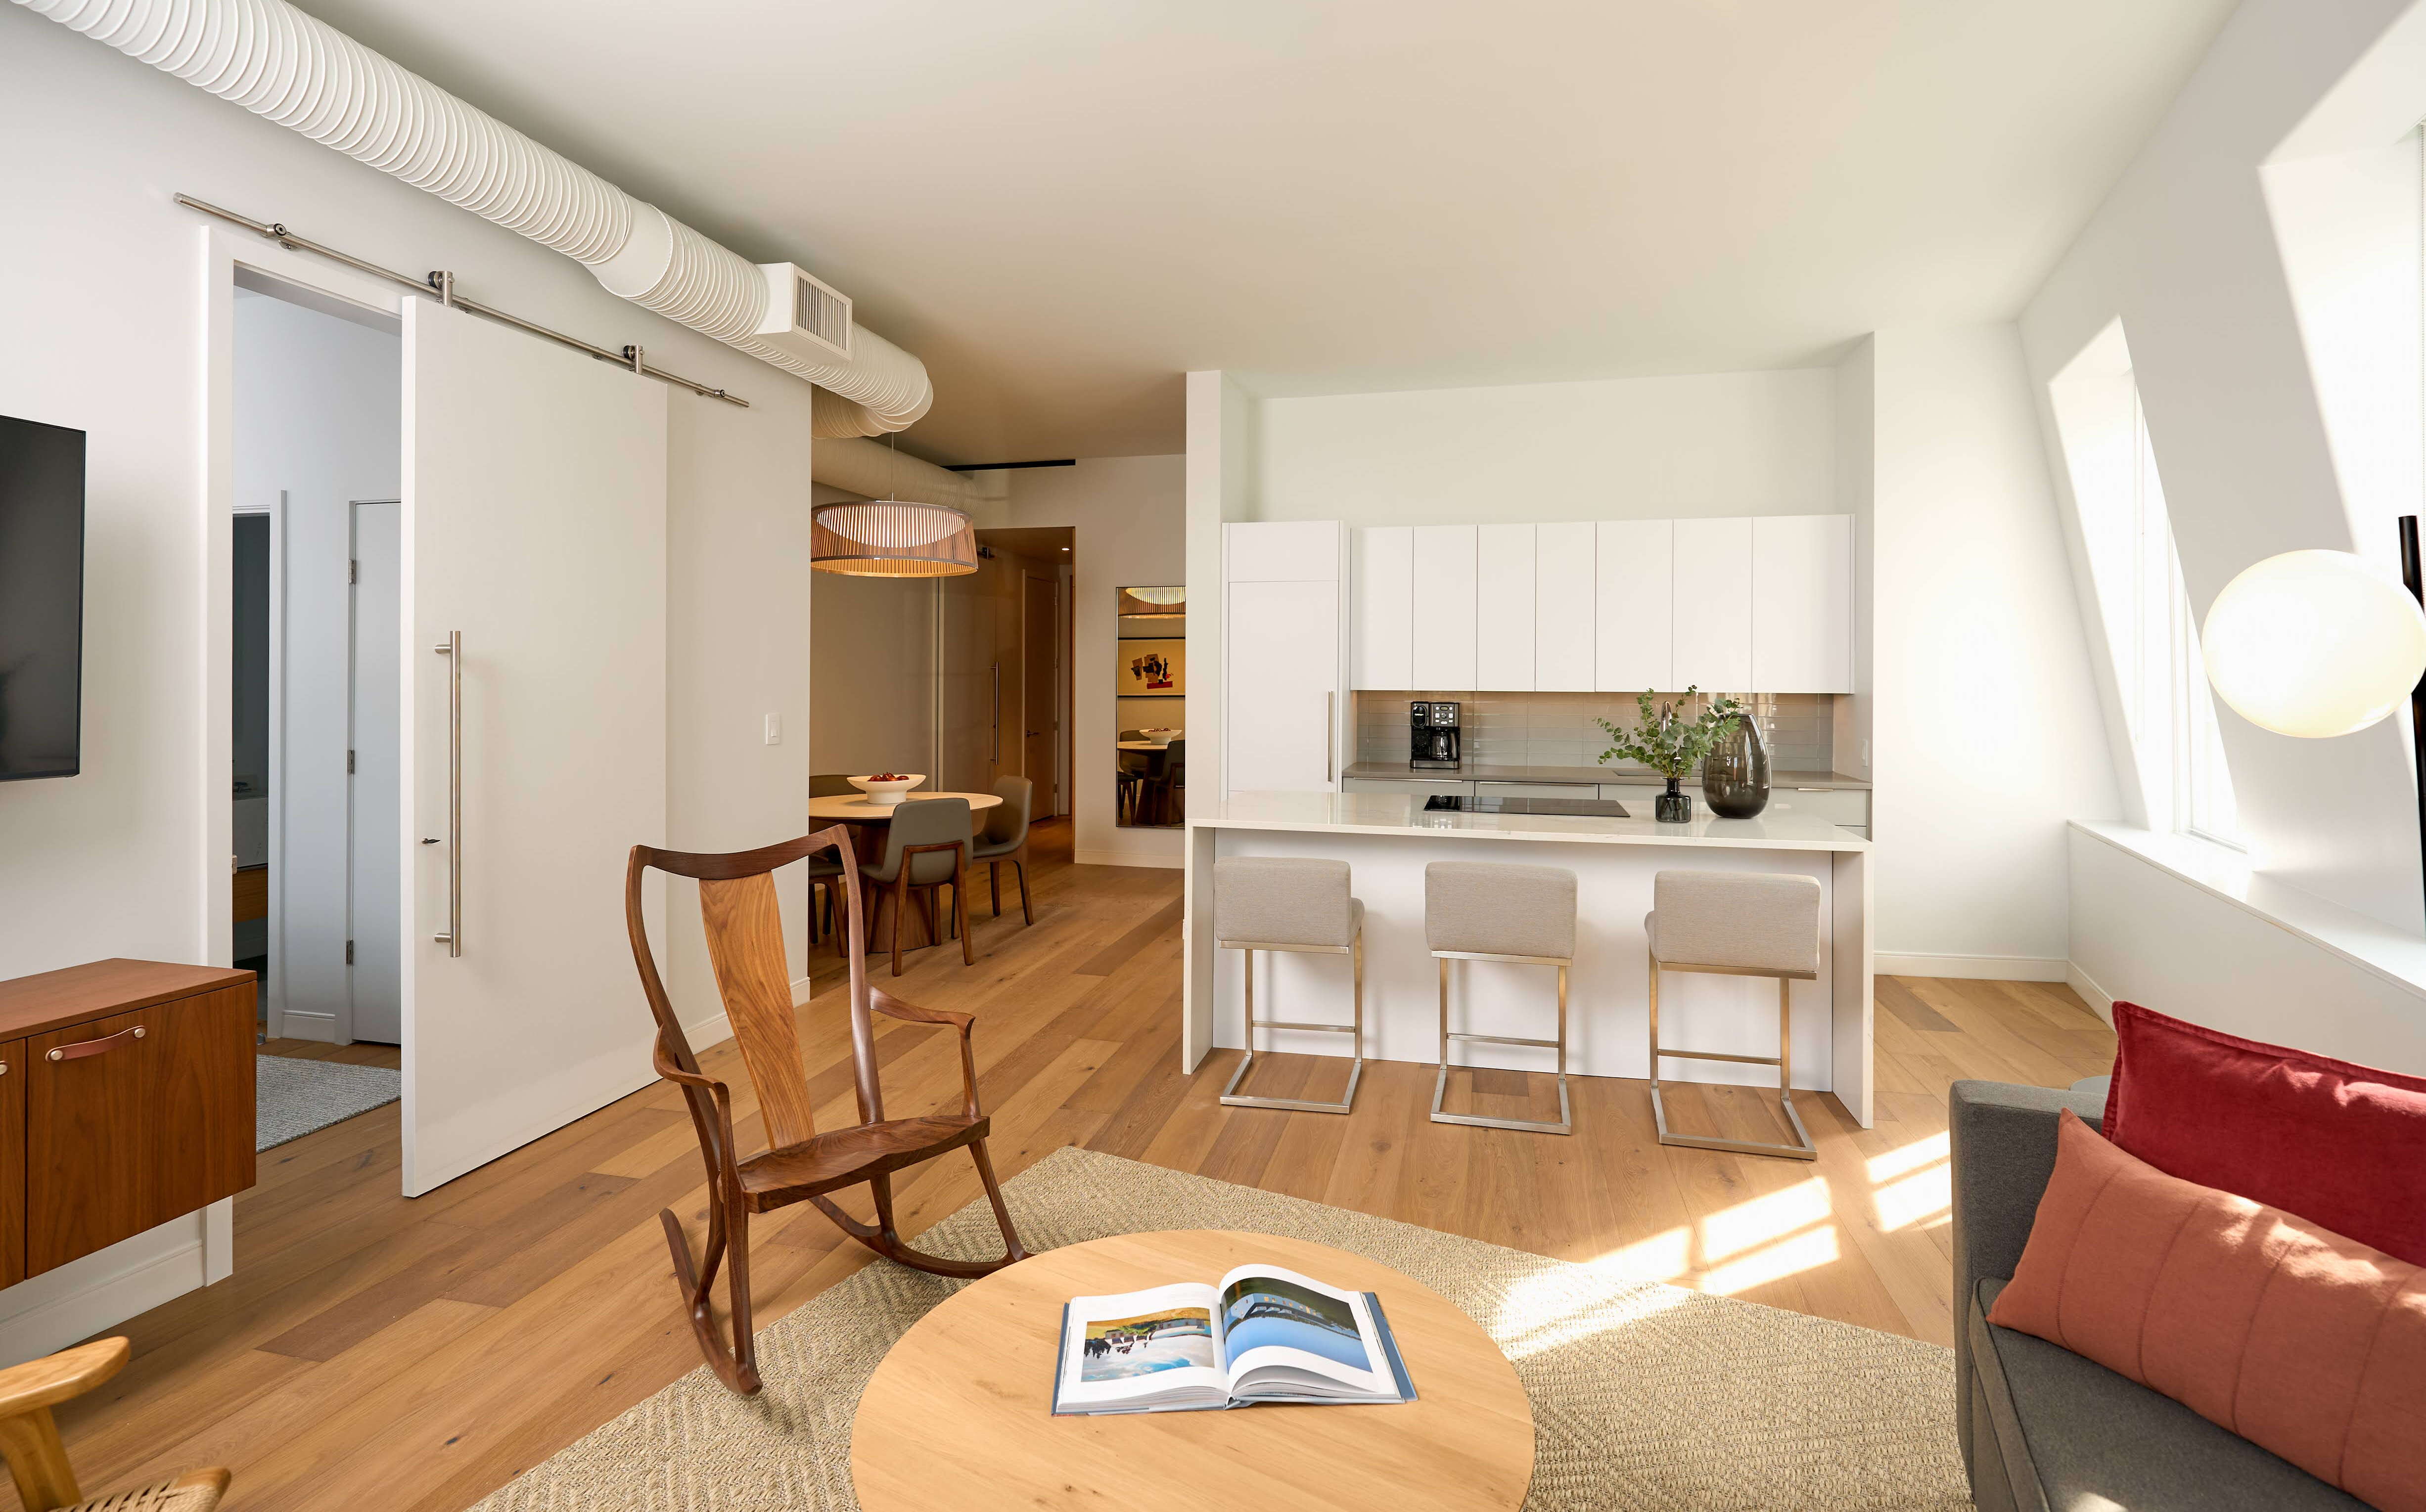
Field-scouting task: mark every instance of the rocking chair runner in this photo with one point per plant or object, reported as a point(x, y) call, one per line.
point(745, 943)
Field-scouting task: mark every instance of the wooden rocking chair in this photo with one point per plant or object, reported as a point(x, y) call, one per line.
point(745, 943)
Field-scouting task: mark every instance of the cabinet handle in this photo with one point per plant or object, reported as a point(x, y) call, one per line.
point(452, 648)
point(1329, 734)
point(97, 1047)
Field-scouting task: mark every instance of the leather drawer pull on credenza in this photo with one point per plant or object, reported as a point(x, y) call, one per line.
point(96, 1047)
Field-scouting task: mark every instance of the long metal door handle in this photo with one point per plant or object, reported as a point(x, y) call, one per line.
point(1329, 734)
point(97, 1047)
point(452, 648)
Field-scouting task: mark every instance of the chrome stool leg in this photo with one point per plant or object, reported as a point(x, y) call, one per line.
point(1783, 1060)
point(1231, 1097)
point(1565, 1123)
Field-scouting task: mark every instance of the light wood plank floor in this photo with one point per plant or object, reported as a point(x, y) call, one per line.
point(373, 1352)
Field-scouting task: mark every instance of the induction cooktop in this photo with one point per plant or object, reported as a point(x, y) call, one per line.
point(1575, 808)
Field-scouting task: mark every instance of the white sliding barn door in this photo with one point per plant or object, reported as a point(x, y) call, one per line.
point(534, 528)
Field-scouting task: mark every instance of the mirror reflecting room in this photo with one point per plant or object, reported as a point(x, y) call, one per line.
point(1150, 695)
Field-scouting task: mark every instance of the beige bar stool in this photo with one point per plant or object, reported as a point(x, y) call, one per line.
point(1483, 911)
point(1735, 924)
point(1273, 902)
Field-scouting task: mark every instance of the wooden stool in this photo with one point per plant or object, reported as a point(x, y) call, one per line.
point(1273, 903)
point(1483, 911)
point(1735, 924)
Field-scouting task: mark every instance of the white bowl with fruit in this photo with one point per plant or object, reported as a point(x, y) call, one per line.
point(886, 789)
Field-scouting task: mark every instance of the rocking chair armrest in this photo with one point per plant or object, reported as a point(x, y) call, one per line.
point(718, 1093)
point(893, 1007)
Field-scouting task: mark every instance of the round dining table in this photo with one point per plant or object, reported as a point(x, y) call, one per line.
point(1143, 745)
point(857, 808)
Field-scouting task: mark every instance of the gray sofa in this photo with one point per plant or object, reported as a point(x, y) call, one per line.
point(2043, 1430)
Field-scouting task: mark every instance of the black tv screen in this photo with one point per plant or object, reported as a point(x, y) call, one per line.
point(41, 598)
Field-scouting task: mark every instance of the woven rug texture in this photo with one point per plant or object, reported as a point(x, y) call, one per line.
point(1644, 1396)
point(292, 1098)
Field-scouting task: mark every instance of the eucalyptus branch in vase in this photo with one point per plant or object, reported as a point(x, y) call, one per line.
point(1672, 745)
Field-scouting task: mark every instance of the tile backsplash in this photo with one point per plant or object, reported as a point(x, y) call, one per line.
point(1558, 729)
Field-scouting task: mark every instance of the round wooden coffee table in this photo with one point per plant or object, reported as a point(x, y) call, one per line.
point(958, 1416)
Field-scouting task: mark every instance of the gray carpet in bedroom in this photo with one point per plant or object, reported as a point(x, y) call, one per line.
point(293, 1097)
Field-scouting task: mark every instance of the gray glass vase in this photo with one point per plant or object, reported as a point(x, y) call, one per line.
point(1735, 775)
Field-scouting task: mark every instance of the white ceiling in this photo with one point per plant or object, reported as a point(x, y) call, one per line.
point(1062, 206)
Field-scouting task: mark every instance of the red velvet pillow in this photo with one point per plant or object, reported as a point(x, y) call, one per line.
point(2340, 1145)
point(2298, 1339)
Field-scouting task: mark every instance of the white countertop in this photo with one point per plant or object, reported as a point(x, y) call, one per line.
point(1402, 814)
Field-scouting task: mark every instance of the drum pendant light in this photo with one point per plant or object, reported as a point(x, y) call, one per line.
point(892, 538)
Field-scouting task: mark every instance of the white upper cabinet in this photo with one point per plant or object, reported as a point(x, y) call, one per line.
point(1633, 633)
point(1385, 578)
point(1504, 599)
point(1713, 607)
point(1564, 586)
point(1283, 551)
point(1802, 604)
point(1442, 609)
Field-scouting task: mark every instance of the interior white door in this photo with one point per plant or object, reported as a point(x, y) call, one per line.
point(534, 529)
point(1443, 608)
point(1634, 619)
point(1802, 604)
point(374, 749)
point(1564, 586)
point(1281, 671)
point(1503, 608)
point(1713, 607)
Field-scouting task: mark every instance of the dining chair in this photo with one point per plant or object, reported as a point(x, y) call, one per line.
point(822, 872)
point(1006, 840)
point(1166, 787)
point(745, 946)
point(38, 1460)
point(926, 847)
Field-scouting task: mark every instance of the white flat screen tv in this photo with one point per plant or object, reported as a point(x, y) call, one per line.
point(41, 598)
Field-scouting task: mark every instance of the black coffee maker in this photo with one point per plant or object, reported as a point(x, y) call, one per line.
point(1431, 736)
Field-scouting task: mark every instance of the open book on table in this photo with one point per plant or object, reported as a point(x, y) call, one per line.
point(1259, 1334)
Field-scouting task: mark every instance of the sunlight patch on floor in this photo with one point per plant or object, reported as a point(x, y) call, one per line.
point(1801, 1252)
point(1593, 1297)
point(1764, 1219)
point(1912, 1185)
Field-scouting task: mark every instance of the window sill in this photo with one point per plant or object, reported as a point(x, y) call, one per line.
point(2370, 944)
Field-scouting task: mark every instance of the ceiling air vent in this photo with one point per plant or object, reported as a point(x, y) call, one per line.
point(801, 306)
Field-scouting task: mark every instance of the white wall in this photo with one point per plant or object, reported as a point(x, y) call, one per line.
point(317, 423)
point(2186, 253)
point(875, 682)
point(1985, 730)
point(1131, 518)
point(103, 327)
point(1717, 444)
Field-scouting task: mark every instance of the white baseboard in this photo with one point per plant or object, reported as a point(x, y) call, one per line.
point(100, 1291)
point(800, 990)
point(1975, 968)
point(308, 1023)
point(716, 1028)
point(2100, 1001)
point(1123, 858)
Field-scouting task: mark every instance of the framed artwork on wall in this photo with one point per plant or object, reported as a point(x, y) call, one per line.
point(1151, 668)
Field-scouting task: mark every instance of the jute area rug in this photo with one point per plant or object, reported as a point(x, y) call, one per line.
point(1645, 1395)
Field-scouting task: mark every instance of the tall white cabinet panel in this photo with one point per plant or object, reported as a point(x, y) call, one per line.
point(1504, 600)
point(1802, 604)
point(1444, 607)
point(1713, 616)
point(1385, 568)
point(1285, 657)
point(1564, 586)
point(1284, 701)
point(1633, 630)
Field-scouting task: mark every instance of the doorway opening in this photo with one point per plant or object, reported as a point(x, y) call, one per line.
point(316, 405)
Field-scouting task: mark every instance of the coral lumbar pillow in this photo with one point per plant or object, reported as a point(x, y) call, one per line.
point(2340, 1145)
point(2302, 1342)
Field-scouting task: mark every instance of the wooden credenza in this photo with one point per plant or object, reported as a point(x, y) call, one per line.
point(125, 1100)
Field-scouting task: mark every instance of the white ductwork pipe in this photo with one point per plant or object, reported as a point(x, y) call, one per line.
point(286, 66)
point(873, 470)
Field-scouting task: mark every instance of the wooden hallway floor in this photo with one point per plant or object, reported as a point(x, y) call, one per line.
point(374, 1352)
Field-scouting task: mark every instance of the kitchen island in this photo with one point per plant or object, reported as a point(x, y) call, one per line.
point(1388, 838)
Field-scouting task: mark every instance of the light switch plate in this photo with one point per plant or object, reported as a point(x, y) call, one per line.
point(774, 729)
